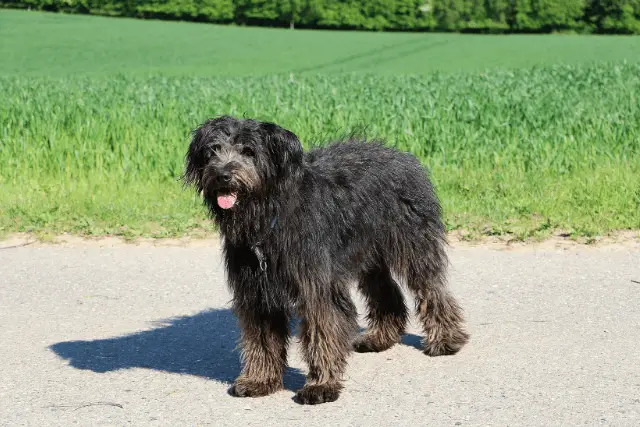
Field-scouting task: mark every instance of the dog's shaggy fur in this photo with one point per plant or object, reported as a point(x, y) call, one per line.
point(298, 228)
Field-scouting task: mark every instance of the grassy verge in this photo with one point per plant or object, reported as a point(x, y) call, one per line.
point(479, 202)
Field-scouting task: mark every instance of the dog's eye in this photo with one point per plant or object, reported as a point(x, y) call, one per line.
point(248, 151)
point(216, 147)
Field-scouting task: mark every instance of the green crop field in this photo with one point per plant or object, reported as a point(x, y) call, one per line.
point(523, 135)
point(40, 44)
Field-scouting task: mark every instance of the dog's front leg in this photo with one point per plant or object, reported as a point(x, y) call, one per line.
point(265, 337)
point(328, 327)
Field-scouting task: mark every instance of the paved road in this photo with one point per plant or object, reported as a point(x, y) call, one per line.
point(143, 336)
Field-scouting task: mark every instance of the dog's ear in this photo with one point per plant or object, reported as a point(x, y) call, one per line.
point(195, 160)
point(198, 154)
point(283, 145)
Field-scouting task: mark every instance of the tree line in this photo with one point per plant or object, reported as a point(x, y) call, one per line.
point(483, 16)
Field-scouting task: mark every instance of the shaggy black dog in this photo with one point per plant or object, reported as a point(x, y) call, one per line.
point(298, 228)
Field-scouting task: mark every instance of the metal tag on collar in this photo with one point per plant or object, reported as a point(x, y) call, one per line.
point(261, 261)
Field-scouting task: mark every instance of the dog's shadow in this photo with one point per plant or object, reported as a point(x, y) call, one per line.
point(412, 340)
point(203, 345)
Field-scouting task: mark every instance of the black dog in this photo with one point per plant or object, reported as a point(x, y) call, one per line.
point(298, 228)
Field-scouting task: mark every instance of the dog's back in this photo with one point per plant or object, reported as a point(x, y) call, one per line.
point(377, 182)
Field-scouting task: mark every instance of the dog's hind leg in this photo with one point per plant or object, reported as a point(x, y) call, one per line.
point(442, 320)
point(387, 313)
point(439, 312)
point(264, 352)
point(328, 328)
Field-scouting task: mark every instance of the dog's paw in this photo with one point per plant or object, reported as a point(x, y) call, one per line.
point(316, 394)
point(446, 347)
point(248, 388)
point(370, 344)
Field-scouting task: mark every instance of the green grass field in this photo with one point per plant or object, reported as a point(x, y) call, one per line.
point(523, 135)
point(61, 45)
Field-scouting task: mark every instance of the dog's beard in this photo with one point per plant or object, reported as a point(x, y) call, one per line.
point(227, 200)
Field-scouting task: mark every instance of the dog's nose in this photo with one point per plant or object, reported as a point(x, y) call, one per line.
point(225, 176)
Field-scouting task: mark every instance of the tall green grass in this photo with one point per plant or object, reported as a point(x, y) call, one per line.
point(523, 152)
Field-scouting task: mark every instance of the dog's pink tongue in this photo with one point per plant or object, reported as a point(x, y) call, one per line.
point(226, 201)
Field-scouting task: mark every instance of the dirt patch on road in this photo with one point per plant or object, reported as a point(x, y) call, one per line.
point(623, 240)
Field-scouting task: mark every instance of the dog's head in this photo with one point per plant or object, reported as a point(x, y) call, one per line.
point(231, 158)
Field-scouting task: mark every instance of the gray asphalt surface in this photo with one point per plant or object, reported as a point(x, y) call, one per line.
point(143, 336)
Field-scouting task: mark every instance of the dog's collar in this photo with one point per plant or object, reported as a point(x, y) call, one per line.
point(262, 260)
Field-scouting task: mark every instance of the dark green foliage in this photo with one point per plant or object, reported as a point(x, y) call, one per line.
point(603, 16)
point(614, 16)
point(547, 15)
point(196, 10)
